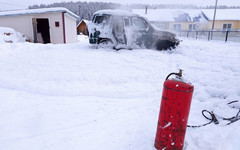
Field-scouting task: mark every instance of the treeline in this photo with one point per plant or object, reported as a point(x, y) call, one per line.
point(182, 6)
point(223, 7)
point(85, 10)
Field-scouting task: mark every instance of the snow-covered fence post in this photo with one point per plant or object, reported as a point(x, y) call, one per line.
point(209, 32)
point(226, 37)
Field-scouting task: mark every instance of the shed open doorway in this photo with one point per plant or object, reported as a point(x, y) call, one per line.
point(41, 30)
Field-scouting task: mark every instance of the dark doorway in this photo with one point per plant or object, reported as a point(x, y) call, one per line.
point(43, 30)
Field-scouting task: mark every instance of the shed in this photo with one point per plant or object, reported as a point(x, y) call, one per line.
point(82, 27)
point(46, 25)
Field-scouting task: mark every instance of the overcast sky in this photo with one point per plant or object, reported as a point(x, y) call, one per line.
point(23, 4)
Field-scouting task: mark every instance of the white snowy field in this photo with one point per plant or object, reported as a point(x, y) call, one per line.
point(72, 97)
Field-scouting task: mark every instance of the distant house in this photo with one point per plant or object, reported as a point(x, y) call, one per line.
point(175, 19)
point(82, 27)
point(192, 19)
point(226, 19)
point(47, 25)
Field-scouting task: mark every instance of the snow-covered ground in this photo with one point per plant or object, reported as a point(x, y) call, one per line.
point(72, 97)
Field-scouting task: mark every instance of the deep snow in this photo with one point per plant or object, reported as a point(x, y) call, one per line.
point(9, 35)
point(58, 97)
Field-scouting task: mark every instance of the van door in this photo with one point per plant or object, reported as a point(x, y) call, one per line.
point(140, 30)
point(118, 30)
point(128, 32)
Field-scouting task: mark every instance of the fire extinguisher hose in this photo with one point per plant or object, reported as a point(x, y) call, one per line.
point(179, 74)
point(214, 120)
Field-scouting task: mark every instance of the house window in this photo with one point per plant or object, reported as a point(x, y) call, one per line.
point(192, 27)
point(227, 27)
point(177, 27)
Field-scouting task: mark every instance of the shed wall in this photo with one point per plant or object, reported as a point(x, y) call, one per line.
point(24, 25)
point(21, 24)
point(70, 29)
point(82, 28)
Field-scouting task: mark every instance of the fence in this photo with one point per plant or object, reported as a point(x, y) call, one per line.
point(212, 35)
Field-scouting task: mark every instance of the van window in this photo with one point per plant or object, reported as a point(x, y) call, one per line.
point(126, 22)
point(102, 19)
point(98, 19)
point(139, 24)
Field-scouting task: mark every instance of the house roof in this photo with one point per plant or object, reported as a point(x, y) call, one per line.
point(38, 11)
point(223, 14)
point(171, 15)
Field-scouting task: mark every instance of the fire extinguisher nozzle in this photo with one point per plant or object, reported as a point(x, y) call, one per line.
point(180, 73)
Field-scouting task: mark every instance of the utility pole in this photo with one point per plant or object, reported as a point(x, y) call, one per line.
point(214, 17)
point(146, 9)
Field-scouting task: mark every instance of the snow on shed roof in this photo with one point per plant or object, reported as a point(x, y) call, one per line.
point(38, 11)
point(170, 15)
point(223, 14)
point(83, 20)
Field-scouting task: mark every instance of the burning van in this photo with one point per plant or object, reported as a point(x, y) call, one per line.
point(124, 30)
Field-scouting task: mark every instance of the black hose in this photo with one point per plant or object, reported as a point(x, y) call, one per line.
point(179, 74)
point(170, 75)
point(214, 119)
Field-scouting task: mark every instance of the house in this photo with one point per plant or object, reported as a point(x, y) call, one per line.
point(225, 20)
point(46, 25)
point(175, 19)
point(82, 27)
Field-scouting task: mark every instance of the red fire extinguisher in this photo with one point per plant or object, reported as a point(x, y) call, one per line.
point(174, 112)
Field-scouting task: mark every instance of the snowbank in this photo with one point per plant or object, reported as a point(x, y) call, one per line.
point(58, 97)
point(9, 35)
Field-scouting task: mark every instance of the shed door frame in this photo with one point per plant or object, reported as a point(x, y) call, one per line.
point(41, 30)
